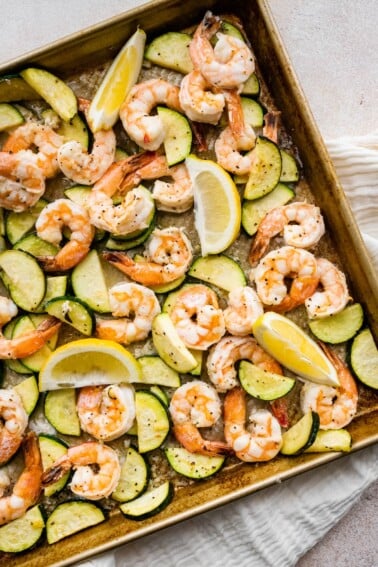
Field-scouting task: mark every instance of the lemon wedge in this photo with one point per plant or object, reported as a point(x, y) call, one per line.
point(119, 79)
point(88, 362)
point(292, 348)
point(217, 206)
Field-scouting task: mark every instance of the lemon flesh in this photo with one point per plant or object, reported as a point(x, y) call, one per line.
point(119, 79)
point(292, 348)
point(89, 362)
point(217, 206)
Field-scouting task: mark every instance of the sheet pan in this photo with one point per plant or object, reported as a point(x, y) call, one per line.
point(100, 43)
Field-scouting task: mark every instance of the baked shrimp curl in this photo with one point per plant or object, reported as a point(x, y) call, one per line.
point(194, 405)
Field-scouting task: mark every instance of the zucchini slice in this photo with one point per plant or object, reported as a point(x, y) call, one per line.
point(266, 170)
point(72, 311)
point(289, 171)
point(331, 440)
point(193, 465)
point(252, 86)
point(262, 384)
point(23, 277)
point(301, 436)
point(156, 371)
point(150, 503)
point(53, 90)
point(199, 356)
point(72, 517)
point(23, 533)
point(170, 286)
point(89, 285)
point(364, 358)
point(340, 327)
point(35, 246)
point(152, 421)
point(52, 449)
point(219, 270)
point(75, 129)
point(134, 477)
point(29, 393)
point(160, 394)
point(169, 345)
point(13, 88)
point(60, 411)
point(254, 211)
point(10, 116)
point(178, 135)
point(56, 286)
point(253, 112)
point(17, 225)
point(171, 50)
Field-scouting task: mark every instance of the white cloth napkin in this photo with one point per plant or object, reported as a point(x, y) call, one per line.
point(276, 526)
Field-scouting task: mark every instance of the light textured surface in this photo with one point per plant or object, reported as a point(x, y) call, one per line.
point(333, 45)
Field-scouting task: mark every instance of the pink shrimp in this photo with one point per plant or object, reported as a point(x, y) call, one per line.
point(195, 405)
point(28, 487)
point(336, 406)
point(262, 441)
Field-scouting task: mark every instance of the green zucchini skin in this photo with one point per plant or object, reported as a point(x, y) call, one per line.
point(71, 517)
point(149, 504)
point(24, 533)
point(301, 436)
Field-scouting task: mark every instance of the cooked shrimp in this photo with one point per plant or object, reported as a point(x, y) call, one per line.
point(336, 407)
point(5, 481)
point(244, 307)
point(81, 166)
point(146, 130)
point(271, 127)
point(14, 421)
point(27, 489)
point(22, 182)
point(30, 342)
point(136, 306)
point(106, 412)
point(302, 225)
point(97, 470)
point(49, 225)
point(227, 65)
point(198, 101)
point(197, 317)
point(261, 441)
point(135, 209)
point(167, 256)
point(228, 148)
point(279, 265)
point(224, 355)
point(8, 310)
point(193, 405)
point(334, 294)
point(175, 196)
point(40, 136)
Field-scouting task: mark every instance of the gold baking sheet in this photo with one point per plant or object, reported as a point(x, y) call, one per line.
point(100, 43)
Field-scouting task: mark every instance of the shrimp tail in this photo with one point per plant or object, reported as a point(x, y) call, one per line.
point(56, 471)
point(30, 342)
point(280, 410)
point(121, 261)
point(30, 480)
point(188, 435)
point(258, 248)
point(199, 136)
point(272, 125)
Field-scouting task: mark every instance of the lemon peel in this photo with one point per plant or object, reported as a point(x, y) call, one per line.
point(115, 86)
point(89, 362)
point(294, 349)
point(217, 205)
